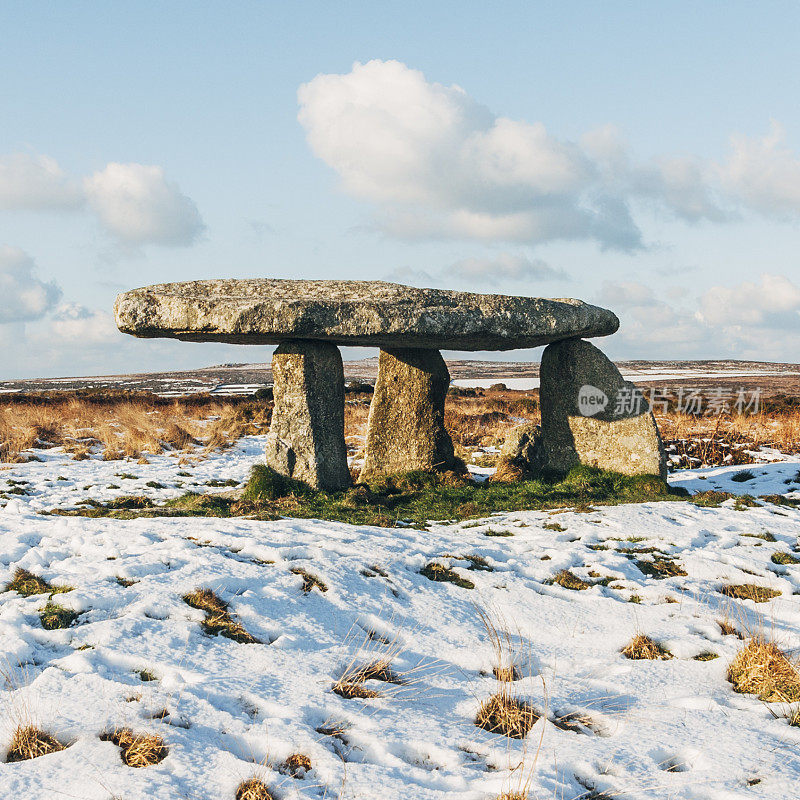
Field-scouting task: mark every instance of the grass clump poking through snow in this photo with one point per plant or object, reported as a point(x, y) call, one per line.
point(29, 742)
point(749, 591)
point(762, 668)
point(310, 581)
point(253, 789)
point(54, 617)
point(784, 559)
point(442, 574)
point(642, 647)
point(219, 620)
point(296, 765)
point(28, 584)
point(138, 749)
point(569, 580)
point(505, 714)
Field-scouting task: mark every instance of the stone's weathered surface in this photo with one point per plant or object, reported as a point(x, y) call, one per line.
point(520, 455)
point(369, 313)
point(520, 444)
point(306, 436)
point(406, 429)
point(619, 436)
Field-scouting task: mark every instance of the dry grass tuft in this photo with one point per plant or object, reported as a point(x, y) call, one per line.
point(253, 789)
point(138, 749)
point(569, 580)
point(750, 591)
point(762, 668)
point(27, 584)
point(218, 621)
point(29, 742)
point(643, 647)
point(502, 713)
point(310, 581)
point(354, 691)
point(508, 471)
point(297, 765)
point(728, 628)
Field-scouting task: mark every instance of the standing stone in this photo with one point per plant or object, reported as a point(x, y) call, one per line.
point(306, 437)
point(591, 415)
point(406, 429)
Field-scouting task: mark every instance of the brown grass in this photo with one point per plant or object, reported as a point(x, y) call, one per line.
point(297, 765)
point(569, 580)
point(505, 714)
point(28, 584)
point(253, 789)
point(29, 742)
point(310, 581)
point(643, 647)
point(219, 620)
point(120, 426)
point(762, 668)
point(138, 749)
point(749, 591)
point(129, 425)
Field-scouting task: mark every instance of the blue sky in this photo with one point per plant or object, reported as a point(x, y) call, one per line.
point(642, 156)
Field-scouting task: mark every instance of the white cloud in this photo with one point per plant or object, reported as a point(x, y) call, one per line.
point(772, 302)
point(75, 323)
point(438, 163)
point(23, 296)
point(31, 182)
point(763, 174)
point(753, 319)
point(138, 205)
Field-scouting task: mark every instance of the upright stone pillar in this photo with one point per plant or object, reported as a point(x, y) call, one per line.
point(406, 429)
point(592, 415)
point(306, 437)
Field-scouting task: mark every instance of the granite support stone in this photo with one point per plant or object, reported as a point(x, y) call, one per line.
point(592, 415)
point(406, 429)
point(306, 436)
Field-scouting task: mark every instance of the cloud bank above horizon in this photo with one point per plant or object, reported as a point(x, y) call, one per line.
point(435, 163)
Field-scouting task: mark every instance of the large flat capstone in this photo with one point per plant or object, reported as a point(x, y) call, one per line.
point(368, 313)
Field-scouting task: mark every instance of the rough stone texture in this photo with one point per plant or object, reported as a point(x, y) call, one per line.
point(369, 313)
point(520, 444)
point(616, 438)
point(306, 436)
point(405, 430)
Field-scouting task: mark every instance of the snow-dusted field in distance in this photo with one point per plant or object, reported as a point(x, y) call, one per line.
point(651, 729)
point(639, 376)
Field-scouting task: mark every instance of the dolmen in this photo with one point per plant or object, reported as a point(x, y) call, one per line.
point(310, 319)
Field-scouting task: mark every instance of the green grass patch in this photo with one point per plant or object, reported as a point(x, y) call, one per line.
point(784, 558)
point(711, 498)
point(743, 475)
point(54, 617)
point(413, 498)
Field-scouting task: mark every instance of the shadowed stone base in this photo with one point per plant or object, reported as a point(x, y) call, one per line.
point(590, 415)
point(406, 418)
point(306, 436)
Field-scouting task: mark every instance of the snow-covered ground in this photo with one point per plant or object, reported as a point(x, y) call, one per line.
point(651, 729)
